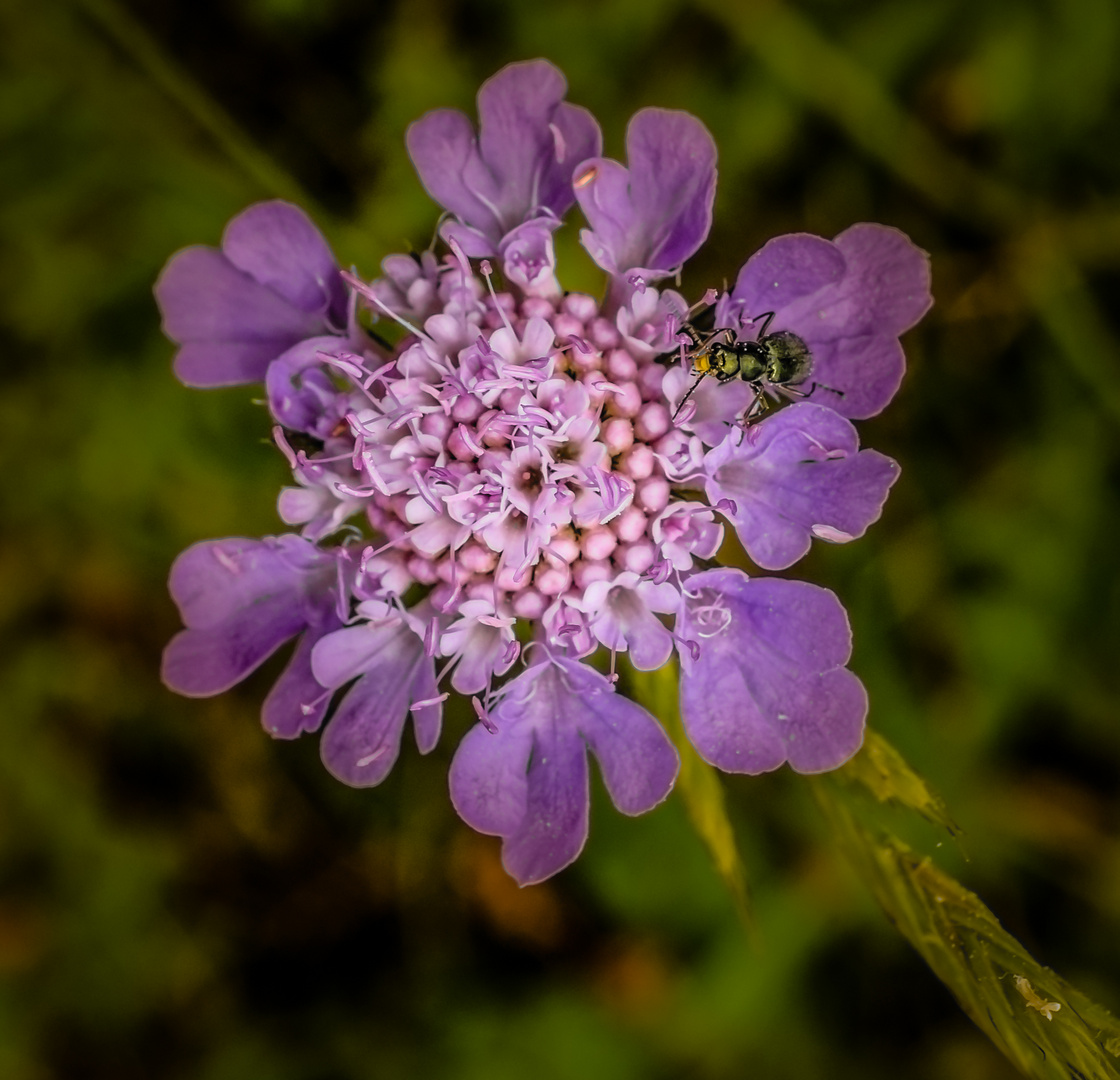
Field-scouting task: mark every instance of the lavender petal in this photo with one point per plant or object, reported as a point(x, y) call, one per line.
point(489, 777)
point(655, 214)
point(520, 163)
point(638, 762)
point(200, 663)
point(554, 828)
point(768, 685)
point(297, 702)
point(232, 311)
point(798, 474)
point(528, 781)
point(214, 580)
point(848, 299)
point(362, 739)
point(276, 244)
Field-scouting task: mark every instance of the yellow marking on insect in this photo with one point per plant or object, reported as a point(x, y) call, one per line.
point(702, 363)
point(1047, 1008)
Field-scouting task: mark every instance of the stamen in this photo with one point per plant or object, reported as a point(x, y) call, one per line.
point(487, 271)
point(344, 363)
point(473, 445)
point(311, 706)
point(426, 493)
point(284, 446)
point(430, 636)
point(484, 716)
point(416, 706)
point(460, 256)
point(358, 285)
point(685, 413)
point(342, 601)
point(687, 643)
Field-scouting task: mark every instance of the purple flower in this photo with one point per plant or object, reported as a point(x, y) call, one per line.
point(652, 216)
point(523, 775)
point(241, 600)
point(800, 474)
point(395, 677)
point(233, 311)
point(520, 163)
point(768, 683)
point(521, 457)
point(847, 299)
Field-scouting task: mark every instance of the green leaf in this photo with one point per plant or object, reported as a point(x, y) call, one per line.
point(698, 783)
point(1042, 1024)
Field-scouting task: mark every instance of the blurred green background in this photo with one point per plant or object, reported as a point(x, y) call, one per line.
point(182, 897)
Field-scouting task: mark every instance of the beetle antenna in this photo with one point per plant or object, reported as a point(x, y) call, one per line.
point(691, 391)
point(769, 317)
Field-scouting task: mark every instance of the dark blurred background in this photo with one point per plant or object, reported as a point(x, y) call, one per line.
point(182, 897)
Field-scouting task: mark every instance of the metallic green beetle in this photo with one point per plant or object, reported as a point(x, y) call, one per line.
point(779, 359)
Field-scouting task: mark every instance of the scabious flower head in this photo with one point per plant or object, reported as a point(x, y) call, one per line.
point(511, 487)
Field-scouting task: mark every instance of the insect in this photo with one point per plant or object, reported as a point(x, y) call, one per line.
point(1047, 1008)
point(779, 359)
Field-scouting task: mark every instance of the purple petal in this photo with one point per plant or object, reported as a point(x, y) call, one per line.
point(206, 364)
point(362, 740)
point(427, 719)
point(297, 702)
point(199, 663)
point(230, 325)
point(768, 685)
point(797, 474)
point(528, 781)
point(214, 580)
point(522, 160)
point(276, 244)
point(892, 277)
point(554, 828)
point(786, 269)
point(576, 137)
point(444, 149)
point(355, 650)
point(638, 762)
point(517, 110)
point(301, 394)
point(241, 600)
point(489, 777)
point(848, 300)
point(233, 311)
point(857, 376)
point(656, 213)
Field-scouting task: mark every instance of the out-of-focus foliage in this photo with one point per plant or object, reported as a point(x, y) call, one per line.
point(182, 897)
point(698, 784)
point(956, 934)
